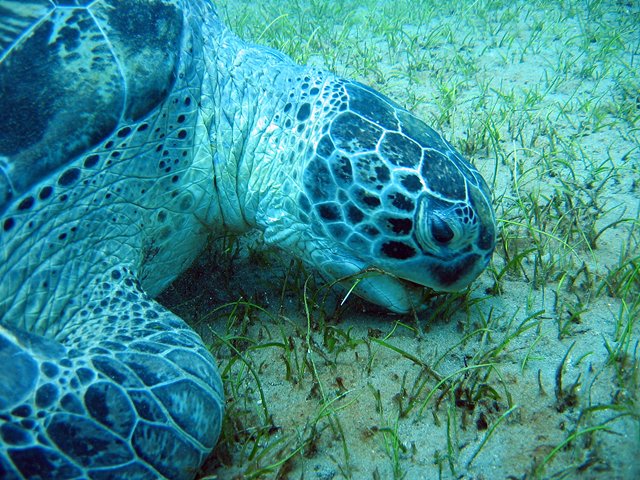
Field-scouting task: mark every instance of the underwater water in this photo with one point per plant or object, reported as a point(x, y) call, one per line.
point(532, 372)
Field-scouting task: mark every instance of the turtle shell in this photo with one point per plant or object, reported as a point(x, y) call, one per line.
point(71, 71)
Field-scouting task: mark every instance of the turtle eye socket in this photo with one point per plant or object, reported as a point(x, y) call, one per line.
point(440, 231)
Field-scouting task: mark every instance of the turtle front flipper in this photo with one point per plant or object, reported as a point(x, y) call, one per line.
point(126, 390)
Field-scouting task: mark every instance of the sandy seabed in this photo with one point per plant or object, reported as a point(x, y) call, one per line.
point(531, 373)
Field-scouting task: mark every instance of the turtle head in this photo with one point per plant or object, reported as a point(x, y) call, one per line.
point(384, 194)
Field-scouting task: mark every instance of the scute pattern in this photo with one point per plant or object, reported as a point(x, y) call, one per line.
point(379, 163)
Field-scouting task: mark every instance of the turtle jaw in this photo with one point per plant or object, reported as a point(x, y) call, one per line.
point(409, 292)
point(393, 293)
point(446, 274)
point(377, 286)
point(409, 289)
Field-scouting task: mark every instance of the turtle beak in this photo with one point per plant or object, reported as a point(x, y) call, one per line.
point(392, 293)
point(378, 287)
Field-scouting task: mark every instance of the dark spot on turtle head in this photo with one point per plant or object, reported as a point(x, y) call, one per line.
point(29, 423)
point(45, 192)
point(366, 199)
point(182, 134)
point(412, 183)
point(165, 232)
point(78, 439)
point(329, 212)
point(123, 132)
point(107, 404)
point(354, 214)
point(400, 226)
point(371, 201)
point(8, 224)
point(69, 177)
point(371, 171)
point(91, 161)
point(69, 36)
point(26, 204)
point(398, 250)
point(303, 112)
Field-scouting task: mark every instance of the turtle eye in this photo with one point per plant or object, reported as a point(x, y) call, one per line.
point(441, 232)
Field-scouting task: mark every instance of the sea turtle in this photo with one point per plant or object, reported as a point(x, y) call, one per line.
point(131, 129)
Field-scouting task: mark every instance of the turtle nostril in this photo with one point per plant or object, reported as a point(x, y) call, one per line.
point(441, 232)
